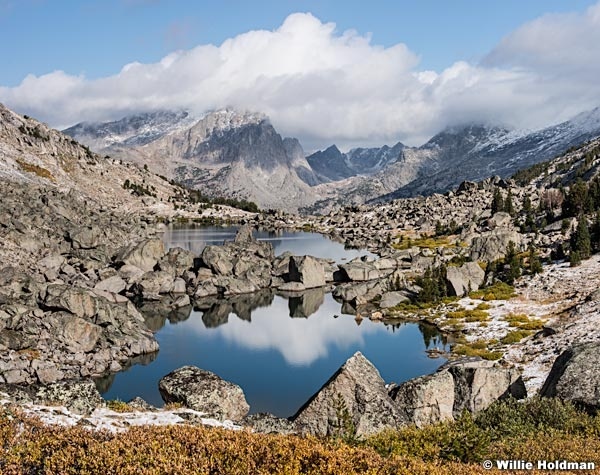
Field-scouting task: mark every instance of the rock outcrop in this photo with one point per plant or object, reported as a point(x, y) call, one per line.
point(463, 279)
point(575, 377)
point(466, 384)
point(307, 270)
point(204, 391)
point(355, 396)
point(80, 397)
point(426, 400)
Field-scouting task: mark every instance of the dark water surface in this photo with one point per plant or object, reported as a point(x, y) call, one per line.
point(279, 348)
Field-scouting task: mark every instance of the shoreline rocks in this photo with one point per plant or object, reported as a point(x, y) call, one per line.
point(205, 392)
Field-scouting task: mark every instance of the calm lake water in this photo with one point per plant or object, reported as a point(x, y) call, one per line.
point(279, 348)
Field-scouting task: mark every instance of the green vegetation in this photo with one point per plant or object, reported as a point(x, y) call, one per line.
point(523, 322)
point(499, 203)
point(196, 196)
point(496, 291)
point(525, 176)
point(33, 132)
point(535, 264)
point(515, 336)
point(581, 241)
point(469, 316)
point(506, 429)
point(478, 348)
point(421, 242)
point(139, 189)
point(442, 229)
point(344, 427)
point(119, 406)
point(433, 285)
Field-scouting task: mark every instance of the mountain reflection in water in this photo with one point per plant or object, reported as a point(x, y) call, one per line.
point(279, 347)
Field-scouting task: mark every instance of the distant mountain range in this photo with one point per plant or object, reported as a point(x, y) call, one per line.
point(239, 154)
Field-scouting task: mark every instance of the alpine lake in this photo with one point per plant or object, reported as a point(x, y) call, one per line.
point(280, 348)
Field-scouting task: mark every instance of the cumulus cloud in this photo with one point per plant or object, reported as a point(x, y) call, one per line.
point(325, 86)
point(300, 341)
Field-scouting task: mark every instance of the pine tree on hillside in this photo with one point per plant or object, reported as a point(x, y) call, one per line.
point(497, 201)
point(508, 204)
point(581, 241)
point(596, 232)
point(513, 264)
point(535, 265)
point(527, 205)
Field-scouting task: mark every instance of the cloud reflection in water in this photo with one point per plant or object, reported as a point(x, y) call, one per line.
point(301, 341)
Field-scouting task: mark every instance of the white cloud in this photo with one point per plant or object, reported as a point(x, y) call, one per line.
point(301, 341)
point(324, 86)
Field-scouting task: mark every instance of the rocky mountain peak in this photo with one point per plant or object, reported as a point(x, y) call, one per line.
point(469, 135)
point(224, 119)
point(136, 129)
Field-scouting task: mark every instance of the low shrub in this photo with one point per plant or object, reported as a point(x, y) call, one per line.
point(496, 291)
point(515, 336)
point(536, 429)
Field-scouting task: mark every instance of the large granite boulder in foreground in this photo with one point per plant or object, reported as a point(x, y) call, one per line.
point(356, 397)
point(357, 393)
point(466, 384)
point(204, 391)
point(425, 400)
point(479, 383)
point(575, 376)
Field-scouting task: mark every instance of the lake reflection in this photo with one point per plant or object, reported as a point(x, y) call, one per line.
point(279, 348)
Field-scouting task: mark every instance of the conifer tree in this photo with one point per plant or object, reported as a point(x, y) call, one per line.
point(497, 201)
point(508, 204)
point(580, 240)
point(513, 264)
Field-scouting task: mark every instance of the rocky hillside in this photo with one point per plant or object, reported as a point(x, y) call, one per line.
point(69, 218)
point(33, 153)
point(225, 153)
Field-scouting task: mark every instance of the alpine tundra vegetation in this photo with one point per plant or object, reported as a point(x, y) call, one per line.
point(477, 226)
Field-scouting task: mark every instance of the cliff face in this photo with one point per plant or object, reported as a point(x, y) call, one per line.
point(224, 153)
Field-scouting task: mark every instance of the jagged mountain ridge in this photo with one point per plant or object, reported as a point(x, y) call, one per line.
point(241, 155)
point(497, 151)
point(333, 165)
point(223, 153)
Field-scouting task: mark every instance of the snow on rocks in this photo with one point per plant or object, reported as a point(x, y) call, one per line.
point(106, 419)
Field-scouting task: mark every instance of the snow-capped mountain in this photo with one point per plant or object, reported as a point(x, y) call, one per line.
point(131, 131)
point(477, 152)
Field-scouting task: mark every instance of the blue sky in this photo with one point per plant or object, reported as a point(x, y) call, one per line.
point(97, 38)
point(436, 62)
